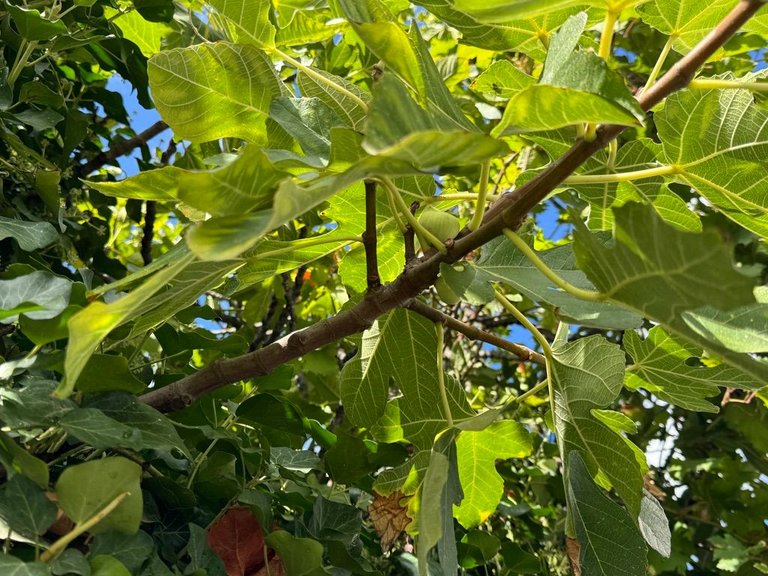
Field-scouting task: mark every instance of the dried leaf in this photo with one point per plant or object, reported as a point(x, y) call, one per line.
point(573, 551)
point(389, 517)
point(237, 538)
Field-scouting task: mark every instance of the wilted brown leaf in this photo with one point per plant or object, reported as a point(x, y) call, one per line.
point(573, 550)
point(237, 538)
point(389, 517)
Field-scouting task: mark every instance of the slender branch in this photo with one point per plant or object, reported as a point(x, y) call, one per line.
point(522, 352)
point(122, 148)
point(507, 212)
point(148, 231)
point(409, 239)
point(532, 392)
point(369, 237)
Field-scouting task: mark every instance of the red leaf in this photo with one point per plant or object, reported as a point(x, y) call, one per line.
point(237, 538)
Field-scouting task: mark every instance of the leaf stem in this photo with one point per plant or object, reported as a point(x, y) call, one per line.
point(309, 71)
point(606, 36)
point(659, 63)
point(532, 392)
point(551, 274)
point(717, 84)
point(394, 194)
point(369, 237)
point(482, 193)
point(665, 170)
point(60, 544)
point(441, 375)
point(308, 243)
point(520, 317)
point(22, 57)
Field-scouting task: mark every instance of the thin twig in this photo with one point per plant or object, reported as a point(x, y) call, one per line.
point(369, 237)
point(409, 239)
point(122, 148)
point(474, 333)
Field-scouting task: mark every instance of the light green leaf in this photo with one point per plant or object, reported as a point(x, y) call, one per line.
point(611, 544)
point(503, 79)
point(309, 121)
point(85, 489)
point(501, 261)
point(25, 507)
point(345, 107)
point(717, 140)
point(684, 20)
point(182, 291)
point(300, 556)
point(211, 91)
point(654, 525)
point(686, 271)
point(440, 492)
point(300, 460)
point(246, 21)
point(89, 327)
point(401, 346)
point(579, 88)
point(660, 366)
point(108, 373)
point(561, 47)
point(49, 330)
point(509, 10)
point(228, 236)
point(477, 455)
point(161, 185)
point(248, 183)
point(587, 374)
point(743, 329)
point(39, 295)
point(307, 27)
point(525, 35)
point(29, 235)
point(107, 566)
point(390, 259)
point(399, 128)
point(148, 36)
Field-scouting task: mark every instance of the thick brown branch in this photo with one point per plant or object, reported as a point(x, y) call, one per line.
point(369, 237)
point(122, 148)
point(508, 212)
point(474, 333)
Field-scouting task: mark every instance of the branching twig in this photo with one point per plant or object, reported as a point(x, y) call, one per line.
point(508, 212)
point(122, 148)
point(369, 237)
point(474, 333)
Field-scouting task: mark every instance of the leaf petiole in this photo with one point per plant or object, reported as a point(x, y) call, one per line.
point(551, 274)
point(482, 193)
point(665, 170)
point(394, 194)
point(441, 375)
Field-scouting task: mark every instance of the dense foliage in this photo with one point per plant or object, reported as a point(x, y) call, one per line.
point(469, 286)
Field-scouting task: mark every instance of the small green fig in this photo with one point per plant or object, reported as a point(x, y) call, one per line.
point(445, 292)
point(442, 224)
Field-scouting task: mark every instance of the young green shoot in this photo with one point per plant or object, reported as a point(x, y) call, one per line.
point(441, 374)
